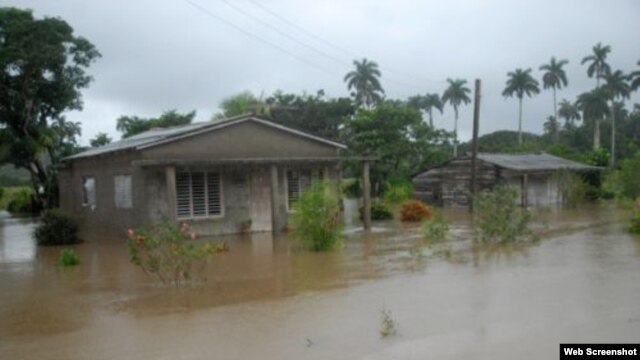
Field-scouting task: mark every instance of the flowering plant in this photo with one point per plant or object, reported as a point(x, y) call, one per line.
point(169, 252)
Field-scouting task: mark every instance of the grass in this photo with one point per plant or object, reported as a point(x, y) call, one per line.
point(68, 258)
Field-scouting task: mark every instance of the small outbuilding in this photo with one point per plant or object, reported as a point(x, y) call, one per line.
point(536, 176)
point(241, 174)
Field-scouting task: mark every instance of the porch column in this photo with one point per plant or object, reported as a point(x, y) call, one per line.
point(275, 213)
point(366, 195)
point(170, 176)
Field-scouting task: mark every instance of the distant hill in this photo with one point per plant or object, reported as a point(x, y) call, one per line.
point(505, 141)
point(11, 176)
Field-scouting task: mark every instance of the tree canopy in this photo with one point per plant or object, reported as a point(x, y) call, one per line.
point(364, 80)
point(132, 125)
point(42, 71)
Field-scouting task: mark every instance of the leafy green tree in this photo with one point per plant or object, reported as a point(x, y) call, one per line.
point(594, 107)
point(101, 139)
point(427, 103)
point(520, 83)
point(133, 125)
point(365, 83)
point(635, 79)
point(617, 88)
point(397, 136)
point(456, 94)
point(569, 112)
point(598, 65)
point(554, 77)
point(42, 71)
point(552, 128)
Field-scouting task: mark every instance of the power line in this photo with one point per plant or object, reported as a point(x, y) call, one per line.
point(282, 33)
point(256, 37)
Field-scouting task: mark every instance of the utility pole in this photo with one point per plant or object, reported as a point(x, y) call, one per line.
point(474, 144)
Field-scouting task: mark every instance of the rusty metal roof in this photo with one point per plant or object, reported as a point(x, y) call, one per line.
point(534, 162)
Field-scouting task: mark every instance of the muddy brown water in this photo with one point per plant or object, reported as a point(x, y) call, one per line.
point(267, 299)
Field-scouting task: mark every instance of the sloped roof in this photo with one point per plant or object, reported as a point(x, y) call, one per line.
point(162, 136)
point(533, 162)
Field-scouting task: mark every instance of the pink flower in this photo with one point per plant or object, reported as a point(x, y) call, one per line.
point(193, 236)
point(130, 232)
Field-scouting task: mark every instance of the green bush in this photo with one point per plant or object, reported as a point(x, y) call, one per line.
point(56, 228)
point(351, 188)
point(572, 188)
point(436, 228)
point(498, 218)
point(625, 182)
point(635, 222)
point(68, 257)
point(169, 252)
point(22, 202)
point(316, 216)
point(398, 191)
point(379, 211)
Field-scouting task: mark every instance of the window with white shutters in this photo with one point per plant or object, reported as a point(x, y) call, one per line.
point(198, 194)
point(298, 181)
point(122, 191)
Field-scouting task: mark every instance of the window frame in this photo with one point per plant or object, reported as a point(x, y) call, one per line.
point(130, 191)
point(85, 193)
point(191, 215)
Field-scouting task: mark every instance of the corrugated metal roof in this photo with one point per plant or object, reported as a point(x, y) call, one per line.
point(161, 136)
point(533, 162)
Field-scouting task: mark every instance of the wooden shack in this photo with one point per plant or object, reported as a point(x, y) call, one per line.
point(534, 175)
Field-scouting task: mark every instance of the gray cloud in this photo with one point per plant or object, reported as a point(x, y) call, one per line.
point(159, 55)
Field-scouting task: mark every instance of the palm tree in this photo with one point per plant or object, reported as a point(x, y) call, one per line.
point(520, 83)
point(598, 66)
point(635, 79)
point(617, 88)
point(456, 94)
point(551, 127)
point(594, 106)
point(555, 78)
point(569, 112)
point(365, 81)
point(430, 102)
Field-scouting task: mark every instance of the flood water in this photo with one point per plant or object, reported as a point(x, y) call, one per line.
point(267, 299)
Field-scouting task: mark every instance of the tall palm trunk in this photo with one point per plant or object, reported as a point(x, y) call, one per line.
point(555, 104)
point(613, 135)
point(596, 133)
point(455, 133)
point(520, 121)
point(431, 118)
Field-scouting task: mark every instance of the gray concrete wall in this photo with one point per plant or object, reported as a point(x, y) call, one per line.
point(246, 140)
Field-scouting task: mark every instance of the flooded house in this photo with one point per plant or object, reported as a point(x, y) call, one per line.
point(538, 177)
point(240, 174)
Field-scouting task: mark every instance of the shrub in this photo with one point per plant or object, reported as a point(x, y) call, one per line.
point(22, 202)
point(436, 228)
point(169, 252)
point(624, 182)
point(572, 188)
point(68, 257)
point(397, 192)
point(379, 211)
point(415, 210)
point(315, 220)
point(498, 218)
point(635, 221)
point(56, 228)
point(351, 188)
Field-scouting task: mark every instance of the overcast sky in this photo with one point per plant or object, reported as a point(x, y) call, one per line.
point(190, 54)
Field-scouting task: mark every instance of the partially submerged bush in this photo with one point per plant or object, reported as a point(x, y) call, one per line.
point(351, 188)
point(498, 218)
point(572, 188)
point(22, 202)
point(169, 252)
point(56, 228)
point(387, 324)
point(316, 216)
point(635, 221)
point(379, 211)
point(436, 228)
point(68, 257)
point(398, 191)
point(625, 182)
point(415, 210)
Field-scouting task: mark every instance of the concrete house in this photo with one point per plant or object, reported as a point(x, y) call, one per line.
point(236, 175)
point(536, 176)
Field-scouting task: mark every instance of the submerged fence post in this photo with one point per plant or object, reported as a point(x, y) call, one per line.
point(474, 144)
point(366, 195)
point(275, 214)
